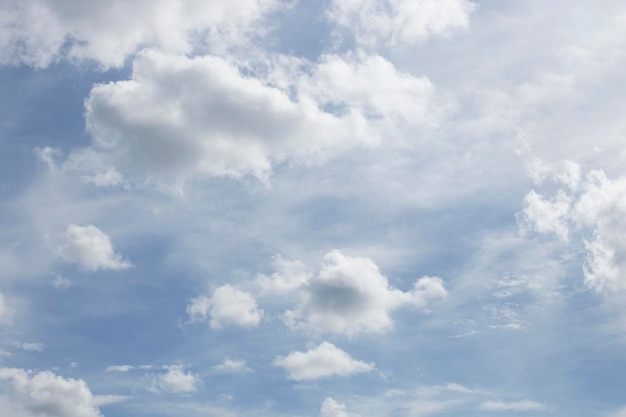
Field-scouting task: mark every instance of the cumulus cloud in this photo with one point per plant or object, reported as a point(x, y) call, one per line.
point(40, 32)
point(178, 116)
point(90, 248)
point(399, 21)
point(175, 381)
point(372, 86)
point(324, 361)
point(591, 214)
point(348, 295)
point(331, 408)
point(50, 395)
point(226, 306)
point(524, 405)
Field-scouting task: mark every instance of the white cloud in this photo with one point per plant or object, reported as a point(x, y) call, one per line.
point(347, 296)
point(47, 394)
point(180, 116)
point(119, 368)
point(524, 405)
point(331, 408)
point(372, 86)
point(226, 306)
point(230, 366)
point(324, 361)
point(175, 381)
point(594, 212)
point(399, 21)
point(90, 248)
point(40, 32)
point(544, 217)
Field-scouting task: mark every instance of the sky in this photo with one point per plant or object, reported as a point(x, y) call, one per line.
point(325, 208)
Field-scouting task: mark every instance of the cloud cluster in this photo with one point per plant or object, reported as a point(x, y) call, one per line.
point(90, 248)
point(399, 21)
point(324, 361)
point(590, 212)
point(50, 395)
point(348, 295)
point(40, 32)
point(226, 306)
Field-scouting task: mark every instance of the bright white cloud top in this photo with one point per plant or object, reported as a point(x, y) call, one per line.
point(226, 306)
point(324, 361)
point(90, 248)
point(340, 208)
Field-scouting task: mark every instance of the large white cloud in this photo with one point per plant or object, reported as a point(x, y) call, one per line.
point(591, 213)
point(90, 248)
point(179, 116)
point(347, 296)
point(227, 306)
point(399, 21)
point(38, 32)
point(324, 361)
point(48, 395)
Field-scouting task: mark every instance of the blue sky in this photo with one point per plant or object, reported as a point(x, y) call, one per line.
point(312, 209)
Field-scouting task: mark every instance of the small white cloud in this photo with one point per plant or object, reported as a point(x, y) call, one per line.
point(524, 405)
point(452, 386)
point(324, 361)
point(90, 248)
point(175, 381)
point(348, 296)
point(230, 366)
point(50, 395)
point(226, 306)
point(119, 368)
point(331, 408)
point(545, 217)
